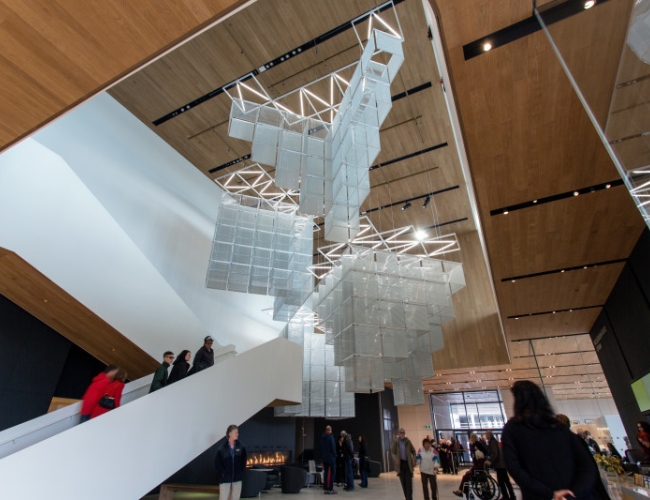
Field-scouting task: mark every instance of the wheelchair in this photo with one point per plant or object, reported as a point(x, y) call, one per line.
point(482, 486)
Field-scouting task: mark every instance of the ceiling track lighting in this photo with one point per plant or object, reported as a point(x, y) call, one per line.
point(406, 205)
point(426, 202)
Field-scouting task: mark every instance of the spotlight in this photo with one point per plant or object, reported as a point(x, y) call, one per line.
point(427, 201)
point(420, 235)
point(487, 46)
point(406, 205)
point(589, 4)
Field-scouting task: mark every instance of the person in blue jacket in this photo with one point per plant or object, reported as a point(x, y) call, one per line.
point(230, 463)
point(328, 455)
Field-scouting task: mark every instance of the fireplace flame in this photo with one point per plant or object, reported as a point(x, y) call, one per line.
point(267, 458)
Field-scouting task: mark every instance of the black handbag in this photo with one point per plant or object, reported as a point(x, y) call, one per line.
point(107, 402)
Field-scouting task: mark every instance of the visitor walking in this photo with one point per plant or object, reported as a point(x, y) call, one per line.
point(404, 458)
point(180, 367)
point(95, 391)
point(230, 463)
point(364, 463)
point(544, 458)
point(204, 357)
point(328, 456)
point(427, 460)
point(498, 463)
point(112, 397)
point(160, 376)
point(348, 456)
point(340, 461)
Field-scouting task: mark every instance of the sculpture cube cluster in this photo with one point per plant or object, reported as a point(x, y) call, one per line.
point(327, 162)
point(263, 248)
point(323, 383)
point(383, 312)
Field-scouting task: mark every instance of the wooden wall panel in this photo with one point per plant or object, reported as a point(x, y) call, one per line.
point(35, 293)
point(550, 325)
point(56, 54)
point(580, 288)
point(474, 337)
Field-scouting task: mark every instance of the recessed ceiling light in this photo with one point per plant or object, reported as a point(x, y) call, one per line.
point(575, 193)
point(534, 201)
point(420, 235)
point(487, 46)
point(607, 186)
point(505, 212)
point(512, 281)
point(589, 4)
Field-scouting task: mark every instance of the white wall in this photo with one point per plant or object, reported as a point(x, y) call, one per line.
point(50, 219)
point(165, 206)
point(130, 450)
point(414, 420)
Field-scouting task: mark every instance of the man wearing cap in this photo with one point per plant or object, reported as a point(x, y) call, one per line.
point(404, 458)
point(204, 357)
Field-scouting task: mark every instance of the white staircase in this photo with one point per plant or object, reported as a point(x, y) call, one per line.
point(129, 451)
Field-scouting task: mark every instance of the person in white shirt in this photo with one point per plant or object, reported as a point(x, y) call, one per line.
point(428, 461)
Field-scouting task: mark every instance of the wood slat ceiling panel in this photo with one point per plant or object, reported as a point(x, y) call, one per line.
point(596, 227)
point(476, 323)
point(550, 325)
point(439, 165)
point(56, 54)
point(468, 21)
point(446, 207)
point(584, 287)
point(537, 140)
point(594, 54)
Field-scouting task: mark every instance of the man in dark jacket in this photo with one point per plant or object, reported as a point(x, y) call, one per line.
point(328, 455)
point(204, 357)
point(160, 376)
point(230, 463)
point(498, 463)
point(348, 456)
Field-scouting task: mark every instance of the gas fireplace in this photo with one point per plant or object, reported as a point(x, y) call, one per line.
point(268, 458)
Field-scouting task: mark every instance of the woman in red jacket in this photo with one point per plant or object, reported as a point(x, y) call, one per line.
point(95, 391)
point(113, 390)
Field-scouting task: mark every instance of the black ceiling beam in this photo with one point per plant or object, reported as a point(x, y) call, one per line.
point(557, 311)
point(564, 269)
point(275, 62)
point(433, 193)
point(525, 27)
point(556, 197)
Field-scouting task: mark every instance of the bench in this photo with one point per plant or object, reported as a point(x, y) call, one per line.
point(167, 490)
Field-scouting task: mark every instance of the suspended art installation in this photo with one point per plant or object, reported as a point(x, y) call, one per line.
point(253, 180)
point(383, 309)
point(323, 383)
point(262, 247)
point(323, 137)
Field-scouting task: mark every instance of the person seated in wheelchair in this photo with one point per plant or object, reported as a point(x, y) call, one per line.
point(479, 466)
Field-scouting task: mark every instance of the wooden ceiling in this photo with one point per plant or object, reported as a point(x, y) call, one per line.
point(528, 137)
point(57, 54)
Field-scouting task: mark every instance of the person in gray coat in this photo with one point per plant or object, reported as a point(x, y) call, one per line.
point(498, 463)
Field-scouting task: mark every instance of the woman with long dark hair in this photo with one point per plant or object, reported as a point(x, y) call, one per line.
point(180, 367)
point(544, 457)
point(364, 464)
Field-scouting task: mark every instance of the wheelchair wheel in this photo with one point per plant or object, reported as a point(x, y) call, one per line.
point(485, 488)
